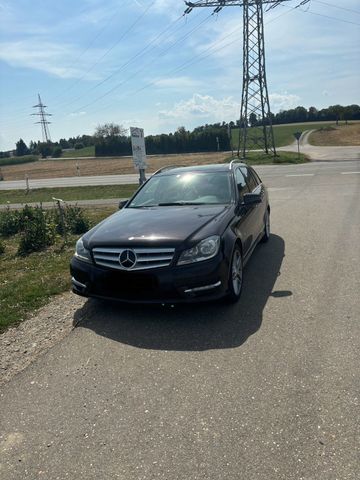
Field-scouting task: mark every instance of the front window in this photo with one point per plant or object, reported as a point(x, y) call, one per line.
point(188, 188)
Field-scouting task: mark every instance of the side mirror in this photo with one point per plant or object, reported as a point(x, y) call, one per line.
point(252, 198)
point(122, 203)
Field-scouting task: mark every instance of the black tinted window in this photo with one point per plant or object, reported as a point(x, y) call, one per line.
point(249, 178)
point(241, 182)
point(257, 178)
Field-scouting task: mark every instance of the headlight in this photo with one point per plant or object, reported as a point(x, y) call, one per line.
point(82, 253)
point(204, 250)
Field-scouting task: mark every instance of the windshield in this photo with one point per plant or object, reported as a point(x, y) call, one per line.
point(189, 188)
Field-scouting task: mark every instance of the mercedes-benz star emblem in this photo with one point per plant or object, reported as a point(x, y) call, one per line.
point(127, 259)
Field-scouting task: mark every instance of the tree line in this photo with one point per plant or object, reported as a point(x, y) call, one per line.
point(111, 139)
point(210, 138)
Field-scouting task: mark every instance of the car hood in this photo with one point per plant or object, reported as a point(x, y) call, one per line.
point(156, 225)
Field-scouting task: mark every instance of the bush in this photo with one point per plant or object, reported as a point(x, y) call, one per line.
point(79, 146)
point(10, 222)
point(57, 152)
point(45, 149)
point(2, 248)
point(74, 220)
point(38, 227)
point(38, 230)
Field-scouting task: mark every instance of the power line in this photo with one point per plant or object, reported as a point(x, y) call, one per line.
point(141, 69)
point(337, 6)
point(328, 16)
point(80, 55)
point(86, 49)
point(131, 27)
point(138, 55)
point(198, 58)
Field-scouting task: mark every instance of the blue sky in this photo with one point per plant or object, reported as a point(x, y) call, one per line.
point(136, 62)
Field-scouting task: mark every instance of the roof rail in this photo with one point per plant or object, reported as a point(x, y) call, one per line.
point(167, 167)
point(235, 160)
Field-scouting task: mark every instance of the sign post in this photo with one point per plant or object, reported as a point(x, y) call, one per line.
point(139, 152)
point(297, 135)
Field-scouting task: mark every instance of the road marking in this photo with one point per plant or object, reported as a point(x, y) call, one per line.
point(348, 173)
point(300, 175)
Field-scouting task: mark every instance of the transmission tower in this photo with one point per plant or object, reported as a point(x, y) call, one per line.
point(43, 120)
point(255, 106)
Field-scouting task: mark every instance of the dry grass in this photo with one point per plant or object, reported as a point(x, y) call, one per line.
point(103, 166)
point(342, 135)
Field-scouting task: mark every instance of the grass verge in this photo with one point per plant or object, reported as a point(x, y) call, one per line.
point(260, 158)
point(67, 193)
point(35, 278)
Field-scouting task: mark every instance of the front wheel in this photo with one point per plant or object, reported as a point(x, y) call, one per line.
point(266, 234)
point(235, 276)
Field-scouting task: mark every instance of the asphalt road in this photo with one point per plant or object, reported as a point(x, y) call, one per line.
point(268, 170)
point(267, 389)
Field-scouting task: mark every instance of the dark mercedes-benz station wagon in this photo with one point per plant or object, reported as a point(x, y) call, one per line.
point(184, 236)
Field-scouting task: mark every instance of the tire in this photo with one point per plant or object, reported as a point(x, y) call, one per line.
point(266, 235)
point(235, 276)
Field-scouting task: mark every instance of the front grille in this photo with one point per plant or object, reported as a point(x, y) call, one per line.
point(145, 257)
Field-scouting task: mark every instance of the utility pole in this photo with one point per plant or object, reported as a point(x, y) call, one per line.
point(255, 106)
point(43, 120)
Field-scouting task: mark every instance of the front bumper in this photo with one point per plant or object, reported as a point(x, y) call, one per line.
point(188, 283)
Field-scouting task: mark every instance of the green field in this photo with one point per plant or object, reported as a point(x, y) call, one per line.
point(82, 152)
point(67, 193)
point(284, 134)
point(36, 277)
point(18, 160)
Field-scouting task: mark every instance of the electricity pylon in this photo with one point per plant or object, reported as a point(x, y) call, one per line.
point(255, 106)
point(43, 121)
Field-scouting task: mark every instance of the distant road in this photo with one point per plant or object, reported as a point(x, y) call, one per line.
point(264, 170)
point(324, 154)
point(71, 182)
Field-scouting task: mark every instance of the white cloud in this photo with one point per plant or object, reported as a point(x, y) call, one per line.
point(283, 101)
point(202, 106)
point(48, 57)
point(77, 114)
point(177, 82)
point(162, 5)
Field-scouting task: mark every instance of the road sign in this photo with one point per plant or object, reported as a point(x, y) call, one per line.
point(138, 147)
point(297, 135)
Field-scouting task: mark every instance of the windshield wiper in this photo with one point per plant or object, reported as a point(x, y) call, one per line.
point(171, 204)
point(141, 206)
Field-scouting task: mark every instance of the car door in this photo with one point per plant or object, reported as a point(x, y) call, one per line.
point(243, 228)
point(256, 186)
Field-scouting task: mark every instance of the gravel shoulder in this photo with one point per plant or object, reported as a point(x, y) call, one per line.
point(22, 344)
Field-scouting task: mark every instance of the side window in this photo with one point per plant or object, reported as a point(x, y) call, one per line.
point(257, 178)
point(249, 178)
point(241, 183)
